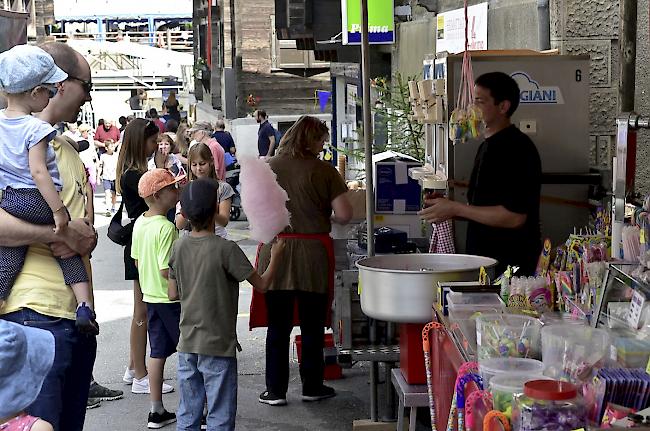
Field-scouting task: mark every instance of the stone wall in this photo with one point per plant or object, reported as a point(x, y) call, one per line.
point(642, 103)
point(592, 27)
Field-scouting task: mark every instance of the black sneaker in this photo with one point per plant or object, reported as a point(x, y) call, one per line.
point(103, 393)
point(271, 399)
point(159, 420)
point(92, 403)
point(320, 394)
point(204, 422)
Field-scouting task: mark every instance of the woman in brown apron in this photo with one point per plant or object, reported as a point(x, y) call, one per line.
point(301, 292)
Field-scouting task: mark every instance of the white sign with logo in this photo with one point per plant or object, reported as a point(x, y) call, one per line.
point(450, 35)
point(533, 93)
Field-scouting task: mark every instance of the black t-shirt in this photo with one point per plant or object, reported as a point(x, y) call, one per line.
point(263, 134)
point(507, 171)
point(134, 204)
point(225, 140)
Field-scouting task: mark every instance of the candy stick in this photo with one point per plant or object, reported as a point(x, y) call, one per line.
point(460, 396)
point(491, 416)
point(465, 368)
point(427, 364)
point(472, 398)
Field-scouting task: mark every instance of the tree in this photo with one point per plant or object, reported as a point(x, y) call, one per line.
point(394, 130)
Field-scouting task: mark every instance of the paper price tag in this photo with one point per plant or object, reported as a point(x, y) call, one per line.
point(647, 367)
point(636, 307)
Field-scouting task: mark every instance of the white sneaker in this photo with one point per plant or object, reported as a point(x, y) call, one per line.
point(129, 375)
point(141, 386)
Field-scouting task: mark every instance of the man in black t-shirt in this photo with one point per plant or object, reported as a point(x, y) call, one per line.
point(505, 186)
point(266, 144)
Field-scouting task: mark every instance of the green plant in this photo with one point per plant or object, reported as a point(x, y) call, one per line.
point(393, 128)
point(200, 67)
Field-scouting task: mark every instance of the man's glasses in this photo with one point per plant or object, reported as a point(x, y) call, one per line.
point(86, 85)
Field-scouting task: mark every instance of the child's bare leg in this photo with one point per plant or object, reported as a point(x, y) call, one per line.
point(82, 293)
point(156, 369)
point(138, 334)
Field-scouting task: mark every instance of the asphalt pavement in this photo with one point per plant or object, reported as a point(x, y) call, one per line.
point(114, 302)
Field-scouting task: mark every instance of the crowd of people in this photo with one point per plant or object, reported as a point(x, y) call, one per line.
point(185, 272)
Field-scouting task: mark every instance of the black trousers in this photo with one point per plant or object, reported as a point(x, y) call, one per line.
point(312, 309)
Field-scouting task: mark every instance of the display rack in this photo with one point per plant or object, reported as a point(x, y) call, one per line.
point(630, 348)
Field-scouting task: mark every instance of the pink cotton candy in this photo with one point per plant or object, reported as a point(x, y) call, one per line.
point(262, 199)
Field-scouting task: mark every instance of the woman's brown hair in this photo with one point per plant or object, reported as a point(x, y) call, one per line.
point(133, 154)
point(303, 137)
point(200, 151)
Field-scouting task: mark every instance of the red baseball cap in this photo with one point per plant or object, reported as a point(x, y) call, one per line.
point(155, 180)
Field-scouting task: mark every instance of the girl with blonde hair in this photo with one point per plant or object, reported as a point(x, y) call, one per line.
point(201, 164)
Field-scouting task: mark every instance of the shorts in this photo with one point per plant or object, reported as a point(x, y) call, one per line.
point(109, 185)
point(130, 270)
point(163, 326)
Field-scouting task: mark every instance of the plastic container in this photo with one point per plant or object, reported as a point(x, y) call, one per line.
point(573, 352)
point(631, 352)
point(508, 335)
point(491, 367)
point(504, 387)
point(548, 405)
point(558, 317)
point(465, 305)
point(464, 308)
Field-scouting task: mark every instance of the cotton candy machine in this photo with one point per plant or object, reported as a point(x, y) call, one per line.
point(402, 288)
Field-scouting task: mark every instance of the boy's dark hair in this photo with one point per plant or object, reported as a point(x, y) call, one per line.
point(262, 113)
point(198, 202)
point(502, 87)
point(200, 222)
point(171, 125)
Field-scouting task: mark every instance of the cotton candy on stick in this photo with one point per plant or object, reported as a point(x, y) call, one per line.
point(263, 200)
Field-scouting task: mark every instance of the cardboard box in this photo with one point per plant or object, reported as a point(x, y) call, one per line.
point(395, 191)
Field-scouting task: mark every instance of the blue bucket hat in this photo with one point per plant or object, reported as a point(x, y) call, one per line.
point(24, 67)
point(26, 356)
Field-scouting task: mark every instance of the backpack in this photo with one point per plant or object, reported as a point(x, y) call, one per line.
point(278, 136)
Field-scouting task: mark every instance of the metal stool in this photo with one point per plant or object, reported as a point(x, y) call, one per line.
point(411, 396)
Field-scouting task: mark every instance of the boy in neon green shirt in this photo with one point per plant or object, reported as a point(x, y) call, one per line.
point(153, 237)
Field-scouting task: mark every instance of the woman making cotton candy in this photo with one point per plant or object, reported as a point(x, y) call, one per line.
point(315, 190)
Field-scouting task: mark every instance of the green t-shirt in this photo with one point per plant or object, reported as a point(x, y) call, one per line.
point(208, 271)
point(153, 238)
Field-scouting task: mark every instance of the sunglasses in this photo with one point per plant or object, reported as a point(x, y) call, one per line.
point(86, 85)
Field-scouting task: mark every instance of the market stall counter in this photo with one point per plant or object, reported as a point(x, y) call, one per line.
point(448, 352)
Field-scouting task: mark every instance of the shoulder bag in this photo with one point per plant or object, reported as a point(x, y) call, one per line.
point(116, 232)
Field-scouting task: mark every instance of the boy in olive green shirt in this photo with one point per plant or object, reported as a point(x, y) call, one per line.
point(153, 237)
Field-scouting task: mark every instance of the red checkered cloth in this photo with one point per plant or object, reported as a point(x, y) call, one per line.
point(442, 238)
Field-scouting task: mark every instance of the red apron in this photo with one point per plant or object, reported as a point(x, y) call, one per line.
point(258, 315)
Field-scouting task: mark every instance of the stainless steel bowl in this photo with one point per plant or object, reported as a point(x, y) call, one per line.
point(403, 287)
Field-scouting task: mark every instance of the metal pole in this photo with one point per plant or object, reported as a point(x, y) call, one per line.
point(367, 126)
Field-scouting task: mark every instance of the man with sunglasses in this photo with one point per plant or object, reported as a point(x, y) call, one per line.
point(40, 297)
